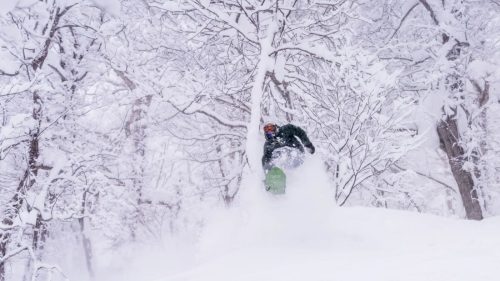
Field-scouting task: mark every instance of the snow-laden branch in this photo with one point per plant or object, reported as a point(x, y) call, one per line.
point(219, 119)
point(213, 13)
point(13, 253)
point(318, 52)
point(403, 20)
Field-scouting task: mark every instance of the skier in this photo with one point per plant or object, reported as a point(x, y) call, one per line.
point(286, 136)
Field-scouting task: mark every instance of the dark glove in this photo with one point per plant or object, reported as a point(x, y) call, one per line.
point(267, 167)
point(311, 149)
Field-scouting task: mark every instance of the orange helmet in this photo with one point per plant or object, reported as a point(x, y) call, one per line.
point(270, 130)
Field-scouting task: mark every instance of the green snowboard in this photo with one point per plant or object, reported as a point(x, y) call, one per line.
point(275, 181)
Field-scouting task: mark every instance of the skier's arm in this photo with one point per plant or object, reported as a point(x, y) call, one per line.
point(301, 134)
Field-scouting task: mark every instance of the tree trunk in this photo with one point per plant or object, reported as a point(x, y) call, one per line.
point(87, 246)
point(447, 128)
point(27, 181)
point(448, 135)
point(135, 130)
point(4, 238)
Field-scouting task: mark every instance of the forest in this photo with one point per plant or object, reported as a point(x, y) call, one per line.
point(126, 121)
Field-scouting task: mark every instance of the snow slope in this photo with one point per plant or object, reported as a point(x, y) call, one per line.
point(302, 236)
point(368, 245)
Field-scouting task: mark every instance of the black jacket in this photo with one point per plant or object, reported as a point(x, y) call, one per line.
point(286, 136)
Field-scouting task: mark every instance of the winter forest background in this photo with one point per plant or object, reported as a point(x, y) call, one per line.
point(124, 122)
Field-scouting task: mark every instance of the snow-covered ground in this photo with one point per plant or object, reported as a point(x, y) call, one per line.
point(302, 236)
point(368, 245)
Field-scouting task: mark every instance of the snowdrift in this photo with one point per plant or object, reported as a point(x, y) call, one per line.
point(302, 236)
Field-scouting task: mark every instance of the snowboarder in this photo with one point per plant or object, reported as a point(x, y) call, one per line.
point(284, 136)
